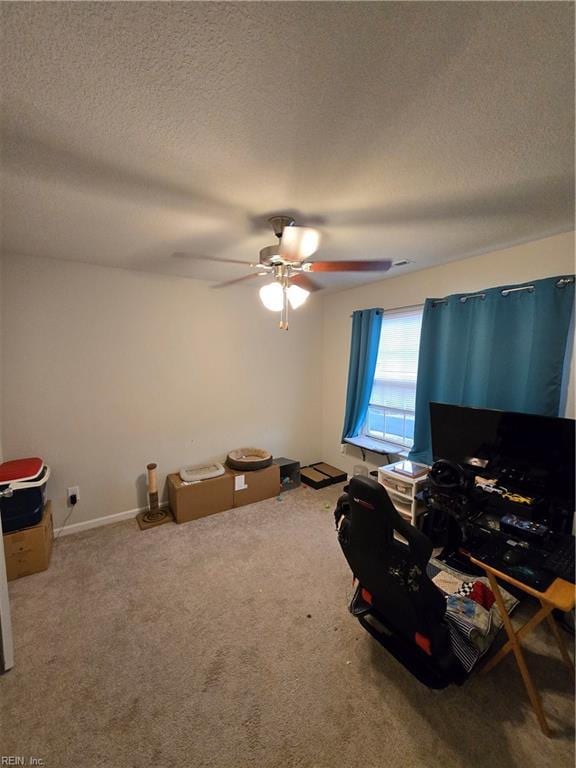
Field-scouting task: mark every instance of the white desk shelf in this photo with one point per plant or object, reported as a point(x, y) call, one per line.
point(402, 491)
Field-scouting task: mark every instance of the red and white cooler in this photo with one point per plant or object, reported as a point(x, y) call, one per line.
point(22, 492)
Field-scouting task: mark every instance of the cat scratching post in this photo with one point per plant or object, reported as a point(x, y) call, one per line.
point(153, 516)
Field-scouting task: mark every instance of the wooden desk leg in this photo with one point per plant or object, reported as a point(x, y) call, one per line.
point(533, 694)
point(561, 643)
point(520, 633)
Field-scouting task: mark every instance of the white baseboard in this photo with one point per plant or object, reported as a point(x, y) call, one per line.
point(97, 522)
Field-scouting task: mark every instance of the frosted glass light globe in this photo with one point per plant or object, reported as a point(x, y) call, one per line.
point(297, 296)
point(272, 296)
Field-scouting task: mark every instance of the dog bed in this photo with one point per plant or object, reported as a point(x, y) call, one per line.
point(247, 459)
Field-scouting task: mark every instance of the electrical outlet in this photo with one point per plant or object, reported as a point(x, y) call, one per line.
point(70, 492)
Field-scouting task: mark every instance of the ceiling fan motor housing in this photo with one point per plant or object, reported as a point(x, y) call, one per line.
point(270, 256)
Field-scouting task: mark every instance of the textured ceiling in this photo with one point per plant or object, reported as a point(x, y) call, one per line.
point(421, 131)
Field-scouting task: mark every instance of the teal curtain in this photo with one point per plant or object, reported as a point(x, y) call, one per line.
point(366, 325)
point(500, 348)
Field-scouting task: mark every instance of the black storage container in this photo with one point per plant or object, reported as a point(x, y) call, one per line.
point(289, 473)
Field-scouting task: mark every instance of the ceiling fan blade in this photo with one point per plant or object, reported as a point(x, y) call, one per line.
point(299, 243)
point(348, 266)
point(195, 257)
point(303, 281)
point(239, 280)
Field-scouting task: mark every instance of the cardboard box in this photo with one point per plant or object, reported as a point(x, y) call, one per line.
point(336, 475)
point(194, 500)
point(314, 478)
point(28, 550)
point(257, 485)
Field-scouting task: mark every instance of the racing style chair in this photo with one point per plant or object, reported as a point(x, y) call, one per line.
point(395, 600)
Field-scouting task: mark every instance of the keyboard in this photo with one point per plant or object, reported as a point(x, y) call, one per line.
point(490, 549)
point(560, 562)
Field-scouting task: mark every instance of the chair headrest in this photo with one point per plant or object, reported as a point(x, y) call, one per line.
point(369, 494)
point(377, 516)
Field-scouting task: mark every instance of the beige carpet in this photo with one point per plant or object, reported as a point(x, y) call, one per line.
point(226, 643)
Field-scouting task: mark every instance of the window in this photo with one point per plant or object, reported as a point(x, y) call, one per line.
point(390, 415)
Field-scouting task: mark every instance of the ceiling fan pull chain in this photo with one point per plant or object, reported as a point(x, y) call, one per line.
point(285, 306)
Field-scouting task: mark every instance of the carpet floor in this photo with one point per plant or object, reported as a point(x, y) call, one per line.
point(226, 643)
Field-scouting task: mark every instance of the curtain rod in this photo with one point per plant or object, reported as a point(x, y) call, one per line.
point(563, 281)
point(392, 309)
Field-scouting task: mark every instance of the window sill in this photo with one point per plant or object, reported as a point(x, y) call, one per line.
point(366, 443)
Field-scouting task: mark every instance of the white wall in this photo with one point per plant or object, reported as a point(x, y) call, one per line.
point(107, 369)
point(530, 261)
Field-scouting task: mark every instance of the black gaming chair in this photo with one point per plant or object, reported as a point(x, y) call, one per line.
point(395, 600)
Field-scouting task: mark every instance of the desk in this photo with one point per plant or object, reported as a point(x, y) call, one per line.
point(560, 594)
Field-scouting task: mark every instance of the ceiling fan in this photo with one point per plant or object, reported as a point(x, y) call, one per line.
point(288, 264)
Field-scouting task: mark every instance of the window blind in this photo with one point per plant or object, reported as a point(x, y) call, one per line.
point(395, 378)
point(392, 401)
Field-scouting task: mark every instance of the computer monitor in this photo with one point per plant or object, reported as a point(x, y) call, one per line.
point(533, 452)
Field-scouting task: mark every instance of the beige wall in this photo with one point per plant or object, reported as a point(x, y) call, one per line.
point(106, 370)
point(530, 261)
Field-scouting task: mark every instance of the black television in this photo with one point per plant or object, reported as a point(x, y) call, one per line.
point(535, 453)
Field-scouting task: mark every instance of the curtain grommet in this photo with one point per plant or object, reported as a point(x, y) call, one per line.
point(464, 299)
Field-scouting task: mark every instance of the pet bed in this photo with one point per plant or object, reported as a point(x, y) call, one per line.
point(197, 472)
point(247, 459)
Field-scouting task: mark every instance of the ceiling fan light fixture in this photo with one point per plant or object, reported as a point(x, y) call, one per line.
point(297, 296)
point(272, 296)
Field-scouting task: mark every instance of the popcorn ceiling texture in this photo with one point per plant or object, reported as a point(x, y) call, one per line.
point(426, 131)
